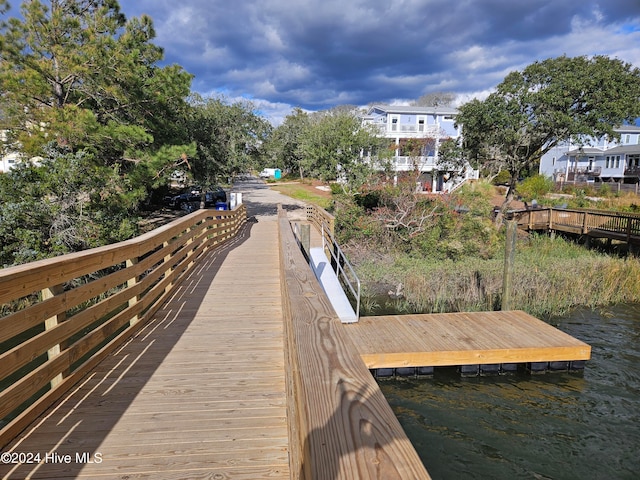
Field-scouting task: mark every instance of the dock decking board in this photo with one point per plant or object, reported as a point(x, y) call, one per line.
point(198, 393)
point(453, 339)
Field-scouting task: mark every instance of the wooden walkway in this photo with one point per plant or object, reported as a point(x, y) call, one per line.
point(198, 393)
point(454, 339)
point(623, 227)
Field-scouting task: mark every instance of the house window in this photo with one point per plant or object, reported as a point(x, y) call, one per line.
point(606, 162)
point(628, 139)
point(421, 125)
point(617, 161)
point(394, 124)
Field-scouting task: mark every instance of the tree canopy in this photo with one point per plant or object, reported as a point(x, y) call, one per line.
point(78, 72)
point(82, 91)
point(229, 138)
point(549, 102)
point(327, 145)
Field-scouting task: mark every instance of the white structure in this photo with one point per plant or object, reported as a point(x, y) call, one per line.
point(8, 158)
point(600, 160)
point(426, 127)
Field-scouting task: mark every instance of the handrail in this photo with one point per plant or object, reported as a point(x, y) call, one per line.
point(340, 425)
point(63, 315)
point(317, 216)
point(623, 226)
point(338, 261)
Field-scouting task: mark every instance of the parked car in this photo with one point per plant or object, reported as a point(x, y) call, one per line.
point(193, 195)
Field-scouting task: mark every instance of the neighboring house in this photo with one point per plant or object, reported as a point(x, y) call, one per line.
point(426, 127)
point(601, 160)
point(8, 158)
point(7, 162)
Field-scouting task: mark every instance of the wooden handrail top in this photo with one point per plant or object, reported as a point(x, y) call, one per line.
point(577, 210)
point(20, 280)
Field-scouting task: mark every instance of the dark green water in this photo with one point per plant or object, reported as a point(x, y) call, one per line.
point(551, 426)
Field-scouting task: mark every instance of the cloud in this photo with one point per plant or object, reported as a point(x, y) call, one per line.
point(316, 54)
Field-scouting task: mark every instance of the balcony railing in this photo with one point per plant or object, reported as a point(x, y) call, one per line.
point(632, 171)
point(586, 170)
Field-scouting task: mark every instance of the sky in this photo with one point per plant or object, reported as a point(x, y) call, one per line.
point(318, 54)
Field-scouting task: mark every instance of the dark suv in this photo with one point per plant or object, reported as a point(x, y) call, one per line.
point(193, 195)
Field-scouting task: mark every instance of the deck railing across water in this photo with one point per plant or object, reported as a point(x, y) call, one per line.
point(63, 315)
point(619, 226)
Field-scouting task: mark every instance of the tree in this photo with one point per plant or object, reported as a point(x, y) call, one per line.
point(228, 137)
point(81, 89)
point(78, 72)
point(285, 145)
point(334, 144)
point(549, 102)
point(66, 204)
point(435, 99)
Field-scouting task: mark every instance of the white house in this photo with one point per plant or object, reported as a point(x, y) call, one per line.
point(429, 127)
point(8, 158)
point(601, 160)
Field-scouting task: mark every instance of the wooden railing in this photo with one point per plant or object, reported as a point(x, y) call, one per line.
point(63, 315)
point(340, 425)
point(625, 227)
point(318, 216)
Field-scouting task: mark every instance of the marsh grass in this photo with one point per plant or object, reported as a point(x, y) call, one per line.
point(551, 276)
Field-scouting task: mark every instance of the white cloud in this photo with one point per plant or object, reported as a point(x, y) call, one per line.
point(316, 54)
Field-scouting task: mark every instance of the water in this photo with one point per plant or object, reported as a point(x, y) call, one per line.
point(551, 426)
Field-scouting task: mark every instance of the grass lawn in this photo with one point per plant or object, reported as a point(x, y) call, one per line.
point(305, 192)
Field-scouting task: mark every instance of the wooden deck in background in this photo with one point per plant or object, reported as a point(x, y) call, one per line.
point(453, 339)
point(198, 393)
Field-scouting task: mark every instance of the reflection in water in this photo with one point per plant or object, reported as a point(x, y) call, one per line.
point(552, 426)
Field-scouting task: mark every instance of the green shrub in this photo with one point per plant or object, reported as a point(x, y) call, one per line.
point(604, 190)
point(503, 178)
point(535, 187)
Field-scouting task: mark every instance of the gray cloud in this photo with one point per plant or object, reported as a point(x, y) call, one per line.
point(315, 54)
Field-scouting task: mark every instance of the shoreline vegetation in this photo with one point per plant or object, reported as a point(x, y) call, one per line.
point(445, 255)
point(551, 276)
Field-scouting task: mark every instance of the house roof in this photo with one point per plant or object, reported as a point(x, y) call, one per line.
point(624, 150)
point(585, 151)
point(628, 129)
point(413, 110)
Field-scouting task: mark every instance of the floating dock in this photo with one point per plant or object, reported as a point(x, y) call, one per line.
point(474, 342)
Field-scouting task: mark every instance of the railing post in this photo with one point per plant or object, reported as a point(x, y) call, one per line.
point(509, 259)
point(52, 322)
point(585, 228)
point(167, 259)
point(305, 237)
point(132, 262)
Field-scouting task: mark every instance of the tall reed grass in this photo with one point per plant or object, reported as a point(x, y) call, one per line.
point(550, 277)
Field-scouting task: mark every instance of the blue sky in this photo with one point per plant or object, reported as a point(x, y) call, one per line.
point(316, 54)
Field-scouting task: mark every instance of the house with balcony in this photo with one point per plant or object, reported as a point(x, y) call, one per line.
point(415, 135)
point(598, 160)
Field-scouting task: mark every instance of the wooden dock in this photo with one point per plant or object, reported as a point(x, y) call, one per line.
point(197, 393)
point(220, 356)
point(454, 339)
